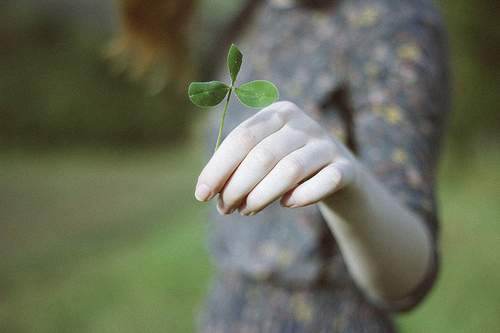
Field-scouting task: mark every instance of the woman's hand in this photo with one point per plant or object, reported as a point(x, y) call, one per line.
point(279, 152)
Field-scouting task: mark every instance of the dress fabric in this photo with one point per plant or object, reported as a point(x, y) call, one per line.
point(374, 73)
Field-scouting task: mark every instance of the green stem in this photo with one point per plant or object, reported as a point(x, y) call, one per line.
point(223, 118)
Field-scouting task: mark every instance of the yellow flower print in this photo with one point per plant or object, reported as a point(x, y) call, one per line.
point(319, 18)
point(409, 52)
point(399, 156)
point(390, 113)
point(367, 17)
point(340, 134)
point(340, 323)
point(302, 308)
point(393, 114)
point(371, 68)
point(285, 258)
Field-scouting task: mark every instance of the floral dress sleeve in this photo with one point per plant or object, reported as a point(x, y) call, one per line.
point(397, 82)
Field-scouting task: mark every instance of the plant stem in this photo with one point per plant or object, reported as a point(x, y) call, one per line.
point(223, 118)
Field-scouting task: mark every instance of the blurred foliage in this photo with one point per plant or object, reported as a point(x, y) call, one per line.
point(56, 89)
point(111, 242)
point(475, 50)
point(101, 241)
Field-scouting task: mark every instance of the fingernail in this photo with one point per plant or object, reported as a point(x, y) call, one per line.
point(245, 211)
point(202, 192)
point(223, 208)
point(287, 202)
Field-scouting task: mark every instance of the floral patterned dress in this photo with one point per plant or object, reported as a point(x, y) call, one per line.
point(374, 74)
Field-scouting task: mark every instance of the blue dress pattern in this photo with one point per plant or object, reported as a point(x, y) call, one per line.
point(374, 73)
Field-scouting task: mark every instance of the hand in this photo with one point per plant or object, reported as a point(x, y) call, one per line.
point(278, 152)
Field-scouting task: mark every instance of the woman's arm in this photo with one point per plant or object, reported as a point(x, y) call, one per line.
point(387, 248)
point(379, 204)
point(281, 152)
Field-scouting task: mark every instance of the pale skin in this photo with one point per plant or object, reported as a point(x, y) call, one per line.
point(280, 152)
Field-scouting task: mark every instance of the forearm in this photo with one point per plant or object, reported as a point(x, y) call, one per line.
point(387, 248)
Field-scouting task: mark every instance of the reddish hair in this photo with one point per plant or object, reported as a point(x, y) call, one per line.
point(153, 37)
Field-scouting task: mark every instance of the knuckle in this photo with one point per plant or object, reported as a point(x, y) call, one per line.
point(242, 138)
point(263, 157)
point(287, 109)
point(293, 167)
point(285, 105)
point(339, 174)
point(334, 178)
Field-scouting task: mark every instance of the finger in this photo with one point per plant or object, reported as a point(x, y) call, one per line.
point(259, 161)
point(327, 181)
point(233, 150)
point(223, 208)
point(290, 171)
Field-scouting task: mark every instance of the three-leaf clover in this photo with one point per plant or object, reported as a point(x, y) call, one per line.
point(256, 94)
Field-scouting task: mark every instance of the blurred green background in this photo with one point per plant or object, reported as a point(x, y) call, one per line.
point(99, 229)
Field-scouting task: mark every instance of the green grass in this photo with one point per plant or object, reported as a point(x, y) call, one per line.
point(467, 294)
point(100, 241)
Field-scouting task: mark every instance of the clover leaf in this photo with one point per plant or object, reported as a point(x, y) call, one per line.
point(255, 94)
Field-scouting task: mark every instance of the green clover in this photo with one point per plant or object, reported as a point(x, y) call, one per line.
point(255, 94)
